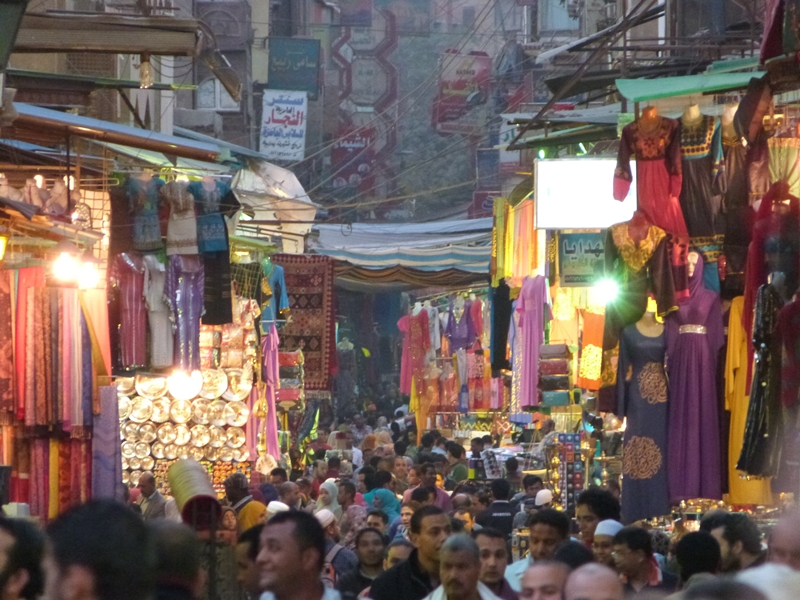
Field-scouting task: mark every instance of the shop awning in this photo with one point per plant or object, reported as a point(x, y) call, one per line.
point(641, 90)
point(573, 135)
point(398, 256)
point(36, 120)
point(185, 166)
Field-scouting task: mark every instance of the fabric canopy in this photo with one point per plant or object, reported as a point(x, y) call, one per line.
point(400, 279)
point(640, 90)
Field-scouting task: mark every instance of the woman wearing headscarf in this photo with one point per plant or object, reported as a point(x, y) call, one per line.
point(320, 473)
point(329, 498)
point(386, 501)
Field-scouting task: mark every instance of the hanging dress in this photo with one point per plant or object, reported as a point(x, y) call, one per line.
point(642, 398)
point(184, 292)
point(694, 339)
point(533, 306)
point(761, 450)
point(737, 401)
point(128, 276)
point(182, 226)
point(212, 234)
point(739, 215)
point(143, 199)
point(161, 338)
point(416, 344)
point(658, 172)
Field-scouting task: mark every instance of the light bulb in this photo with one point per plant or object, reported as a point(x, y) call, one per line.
point(146, 77)
point(89, 276)
point(607, 290)
point(66, 267)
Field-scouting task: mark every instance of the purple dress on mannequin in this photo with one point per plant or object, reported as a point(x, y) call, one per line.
point(694, 338)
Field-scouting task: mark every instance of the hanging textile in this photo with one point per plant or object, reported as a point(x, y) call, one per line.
point(161, 336)
point(498, 264)
point(270, 375)
point(737, 401)
point(534, 308)
point(182, 226)
point(217, 289)
point(106, 449)
point(211, 201)
point(657, 149)
point(309, 281)
point(761, 450)
point(739, 215)
point(7, 404)
point(694, 337)
point(500, 304)
point(23, 357)
point(143, 200)
point(127, 275)
point(184, 293)
point(416, 344)
point(591, 357)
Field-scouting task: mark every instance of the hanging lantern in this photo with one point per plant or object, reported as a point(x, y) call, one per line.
point(66, 266)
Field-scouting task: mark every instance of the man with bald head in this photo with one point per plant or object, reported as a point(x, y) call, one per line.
point(153, 504)
point(784, 542)
point(461, 502)
point(593, 582)
point(544, 580)
point(289, 494)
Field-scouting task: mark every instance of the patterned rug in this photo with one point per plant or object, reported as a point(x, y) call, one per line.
point(309, 283)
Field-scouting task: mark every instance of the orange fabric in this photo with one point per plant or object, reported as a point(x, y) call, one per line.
point(591, 350)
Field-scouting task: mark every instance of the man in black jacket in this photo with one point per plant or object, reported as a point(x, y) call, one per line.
point(419, 575)
point(499, 515)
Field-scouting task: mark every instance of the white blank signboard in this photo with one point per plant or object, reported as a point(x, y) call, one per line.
point(578, 193)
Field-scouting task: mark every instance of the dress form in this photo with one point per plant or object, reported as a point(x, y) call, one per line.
point(417, 308)
point(638, 227)
point(691, 114)
point(648, 326)
point(728, 113)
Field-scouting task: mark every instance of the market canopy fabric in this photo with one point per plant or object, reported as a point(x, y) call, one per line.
point(640, 90)
point(407, 255)
point(37, 120)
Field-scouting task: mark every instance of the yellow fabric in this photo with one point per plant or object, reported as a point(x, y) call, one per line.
point(252, 514)
point(508, 256)
point(414, 407)
point(737, 401)
point(52, 504)
point(499, 241)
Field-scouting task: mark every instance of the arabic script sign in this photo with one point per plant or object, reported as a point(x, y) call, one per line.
point(580, 258)
point(283, 125)
point(462, 104)
point(294, 65)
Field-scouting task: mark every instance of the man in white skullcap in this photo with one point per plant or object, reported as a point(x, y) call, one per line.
point(603, 544)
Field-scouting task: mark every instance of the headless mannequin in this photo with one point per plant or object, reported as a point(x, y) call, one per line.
point(417, 308)
point(649, 116)
point(691, 115)
point(638, 227)
point(648, 326)
point(728, 130)
point(209, 184)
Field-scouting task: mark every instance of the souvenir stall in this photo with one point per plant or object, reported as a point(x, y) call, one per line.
point(195, 321)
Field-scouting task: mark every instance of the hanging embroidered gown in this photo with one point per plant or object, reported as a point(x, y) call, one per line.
point(737, 401)
point(637, 269)
point(128, 276)
point(533, 306)
point(642, 398)
point(184, 292)
point(182, 227)
point(143, 199)
point(694, 339)
point(416, 343)
point(658, 173)
point(211, 230)
point(761, 451)
point(704, 183)
point(739, 216)
point(161, 338)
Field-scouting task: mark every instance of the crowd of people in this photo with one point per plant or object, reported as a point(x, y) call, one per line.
point(403, 524)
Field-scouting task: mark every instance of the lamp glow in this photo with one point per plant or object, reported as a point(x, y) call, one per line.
point(66, 267)
point(146, 77)
point(3, 245)
point(607, 290)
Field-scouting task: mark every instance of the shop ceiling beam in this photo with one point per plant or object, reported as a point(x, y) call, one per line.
point(633, 18)
point(109, 34)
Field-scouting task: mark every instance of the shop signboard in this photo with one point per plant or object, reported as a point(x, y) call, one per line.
point(283, 125)
point(461, 105)
point(509, 159)
point(577, 193)
point(353, 157)
point(294, 64)
point(580, 258)
point(355, 13)
point(482, 204)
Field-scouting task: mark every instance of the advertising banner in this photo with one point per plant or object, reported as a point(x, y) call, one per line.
point(462, 102)
point(580, 258)
point(294, 64)
point(482, 204)
point(352, 158)
point(356, 13)
point(283, 125)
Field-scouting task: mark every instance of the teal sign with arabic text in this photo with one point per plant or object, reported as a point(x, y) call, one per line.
point(580, 258)
point(294, 65)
